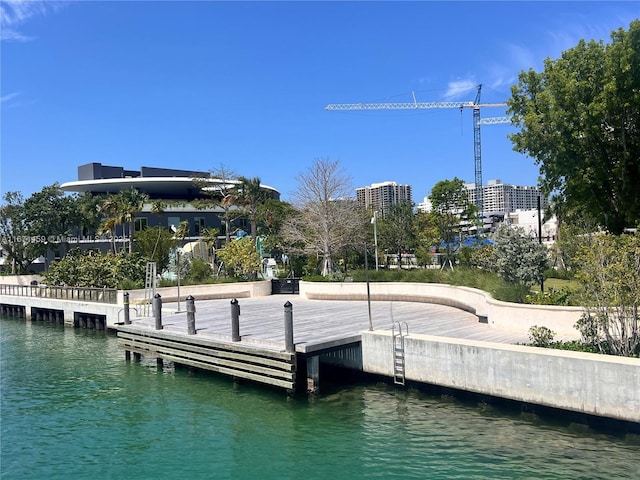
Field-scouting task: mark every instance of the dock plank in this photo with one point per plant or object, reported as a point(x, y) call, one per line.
point(317, 321)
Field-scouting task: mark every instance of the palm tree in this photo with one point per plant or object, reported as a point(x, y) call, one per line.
point(221, 193)
point(121, 209)
point(132, 203)
point(111, 207)
point(250, 196)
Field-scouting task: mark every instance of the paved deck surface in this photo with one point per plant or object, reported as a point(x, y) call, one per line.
point(320, 322)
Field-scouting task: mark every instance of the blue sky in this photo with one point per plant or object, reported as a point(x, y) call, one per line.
point(197, 85)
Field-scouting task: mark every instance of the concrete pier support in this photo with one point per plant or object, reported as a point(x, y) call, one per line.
point(313, 374)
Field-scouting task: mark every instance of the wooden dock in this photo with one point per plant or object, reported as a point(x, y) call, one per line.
point(320, 328)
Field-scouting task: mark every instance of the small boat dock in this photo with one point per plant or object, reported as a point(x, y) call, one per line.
point(324, 331)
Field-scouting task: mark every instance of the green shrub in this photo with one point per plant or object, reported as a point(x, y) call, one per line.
point(541, 336)
point(550, 297)
point(561, 273)
point(95, 269)
point(200, 270)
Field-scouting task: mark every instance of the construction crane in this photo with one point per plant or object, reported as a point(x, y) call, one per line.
point(477, 121)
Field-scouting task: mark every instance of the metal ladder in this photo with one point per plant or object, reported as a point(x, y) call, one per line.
point(399, 330)
point(149, 287)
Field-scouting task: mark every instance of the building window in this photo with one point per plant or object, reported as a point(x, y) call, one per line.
point(139, 224)
point(199, 226)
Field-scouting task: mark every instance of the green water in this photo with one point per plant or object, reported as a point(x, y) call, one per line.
point(73, 408)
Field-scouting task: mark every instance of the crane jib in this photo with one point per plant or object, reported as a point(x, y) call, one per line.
point(409, 106)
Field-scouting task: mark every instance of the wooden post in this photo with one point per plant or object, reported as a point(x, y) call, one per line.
point(157, 310)
point(313, 374)
point(127, 318)
point(191, 315)
point(288, 328)
point(235, 321)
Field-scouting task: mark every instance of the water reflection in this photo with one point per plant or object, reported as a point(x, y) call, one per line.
point(72, 407)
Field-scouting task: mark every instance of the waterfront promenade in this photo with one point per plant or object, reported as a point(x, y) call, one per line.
point(317, 322)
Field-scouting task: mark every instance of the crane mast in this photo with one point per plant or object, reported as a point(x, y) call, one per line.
point(415, 105)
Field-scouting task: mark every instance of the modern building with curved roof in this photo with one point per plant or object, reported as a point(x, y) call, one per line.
point(175, 187)
point(158, 183)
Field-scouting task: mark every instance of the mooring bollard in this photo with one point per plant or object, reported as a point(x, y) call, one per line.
point(191, 315)
point(157, 310)
point(127, 319)
point(235, 320)
point(288, 328)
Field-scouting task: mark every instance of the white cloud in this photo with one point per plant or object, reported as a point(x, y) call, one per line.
point(15, 13)
point(564, 33)
point(458, 88)
point(9, 96)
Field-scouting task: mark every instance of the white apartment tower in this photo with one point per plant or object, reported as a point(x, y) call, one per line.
point(380, 196)
point(505, 198)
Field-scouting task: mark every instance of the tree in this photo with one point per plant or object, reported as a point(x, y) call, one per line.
point(132, 204)
point(54, 215)
point(273, 215)
point(609, 274)
point(240, 258)
point(156, 244)
point(221, 194)
point(114, 216)
point(90, 216)
point(396, 229)
point(17, 237)
point(427, 236)
point(250, 196)
point(326, 219)
point(121, 209)
point(452, 210)
point(95, 269)
point(517, 257)
point(579, 121)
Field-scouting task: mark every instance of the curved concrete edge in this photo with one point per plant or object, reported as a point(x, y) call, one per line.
point(513, 317)
point(215, 291)
point(601, 385)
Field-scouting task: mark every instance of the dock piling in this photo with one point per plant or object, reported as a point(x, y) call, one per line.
point(127, 318)
point(157, 310)
point(288, 328)
point(191, 315)
point(235, 320)
point(313, 374)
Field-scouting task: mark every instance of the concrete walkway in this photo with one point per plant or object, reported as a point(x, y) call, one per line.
point(317, 322)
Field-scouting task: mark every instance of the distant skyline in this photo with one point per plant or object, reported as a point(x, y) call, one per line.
point(197, 85)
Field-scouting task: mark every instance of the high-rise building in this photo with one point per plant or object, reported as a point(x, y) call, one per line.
point(505, 198)
point(380, 196)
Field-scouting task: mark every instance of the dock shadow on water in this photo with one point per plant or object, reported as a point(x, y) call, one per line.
point(73, 408)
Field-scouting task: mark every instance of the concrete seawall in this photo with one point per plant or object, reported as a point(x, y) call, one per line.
point(112, 313)
point(600, 385)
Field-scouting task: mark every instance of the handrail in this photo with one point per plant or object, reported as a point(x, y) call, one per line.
point(84, 294)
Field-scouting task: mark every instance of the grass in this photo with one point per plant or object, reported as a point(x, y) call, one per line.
point(558, 284)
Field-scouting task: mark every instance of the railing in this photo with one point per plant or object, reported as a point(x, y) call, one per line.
point(99, 295)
